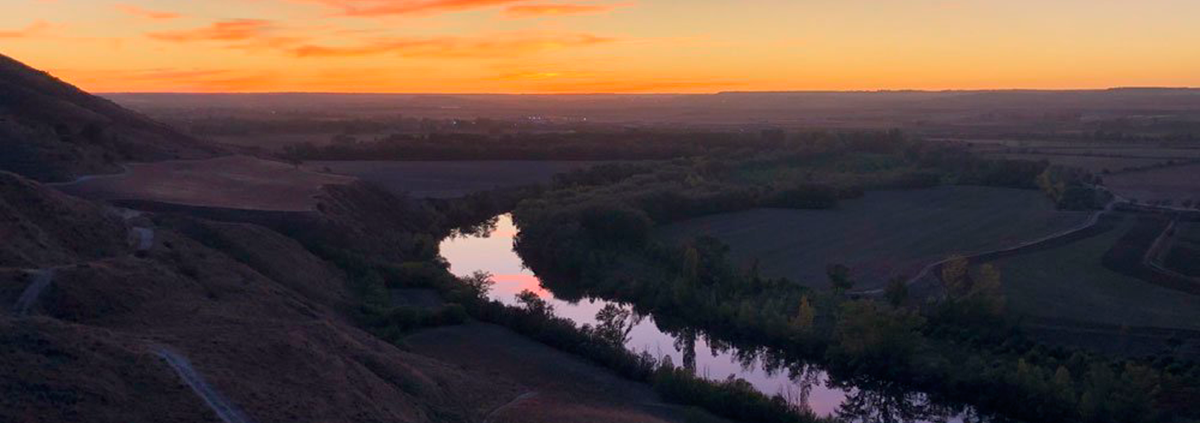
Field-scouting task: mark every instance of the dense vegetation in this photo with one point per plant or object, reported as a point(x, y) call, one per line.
point(589, 236)
point(591, 145)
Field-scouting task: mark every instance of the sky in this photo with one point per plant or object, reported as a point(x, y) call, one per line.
point(593, 46)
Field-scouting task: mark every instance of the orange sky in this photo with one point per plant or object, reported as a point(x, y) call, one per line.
point(559, 46)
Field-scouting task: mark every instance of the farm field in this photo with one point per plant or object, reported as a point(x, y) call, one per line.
point(236, 182)
point(1094, 164)
point(1175, 183)
point(447, 179)
point(1184, 253)
point(883, 235)
point(1071, 282)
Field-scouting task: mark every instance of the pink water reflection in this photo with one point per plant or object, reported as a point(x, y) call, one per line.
point(494, 254)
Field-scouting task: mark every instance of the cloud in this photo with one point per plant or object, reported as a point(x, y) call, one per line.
point(557, 9)
point(240, 34)
point(232, 30)
point(34, 29)
point(500, 45)
point(139, 12)
point(367, 8)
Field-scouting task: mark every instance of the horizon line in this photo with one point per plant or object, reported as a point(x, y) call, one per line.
point(565, 94)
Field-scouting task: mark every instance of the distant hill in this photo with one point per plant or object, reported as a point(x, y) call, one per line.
point(53, 131)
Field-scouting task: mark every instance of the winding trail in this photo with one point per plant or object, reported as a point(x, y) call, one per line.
point(925, 271)
point(219, 405)
point(41, 279)
point(519, 399)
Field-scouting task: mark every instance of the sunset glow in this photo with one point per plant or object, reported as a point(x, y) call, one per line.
point(569, 46)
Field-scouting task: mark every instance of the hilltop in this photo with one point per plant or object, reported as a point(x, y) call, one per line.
point(52, 131)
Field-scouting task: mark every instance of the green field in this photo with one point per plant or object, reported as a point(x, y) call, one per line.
point(1070, 282)
point(885, 234)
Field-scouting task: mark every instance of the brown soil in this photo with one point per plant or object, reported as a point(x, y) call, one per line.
point(233, 182)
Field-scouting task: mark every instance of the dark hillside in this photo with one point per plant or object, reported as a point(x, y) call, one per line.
point(85, 330)
point(53, 131)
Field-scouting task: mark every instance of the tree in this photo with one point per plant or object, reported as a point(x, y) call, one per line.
point(897, 291)
point(614, 324)
point(876, 338)
point(478, 284)
point(1064, 386)
point(839, 278)
point(803, 320)
point(989, 289)
point(954, 276)
point(534, 304)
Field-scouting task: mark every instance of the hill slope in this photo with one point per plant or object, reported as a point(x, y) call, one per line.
point(53, 131)
point(256, 319)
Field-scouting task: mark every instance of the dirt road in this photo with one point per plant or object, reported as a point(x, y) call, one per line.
point(219, 405)
point(41, 279)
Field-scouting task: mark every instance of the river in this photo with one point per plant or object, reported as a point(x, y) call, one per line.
point(799, 382)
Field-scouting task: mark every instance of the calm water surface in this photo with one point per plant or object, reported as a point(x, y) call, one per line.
point(800, 383)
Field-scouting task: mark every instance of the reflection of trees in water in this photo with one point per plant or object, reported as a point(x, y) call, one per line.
point(482, 229)
point(866, 400)
point(614, 322)
point(685, 342)
point(871, 401)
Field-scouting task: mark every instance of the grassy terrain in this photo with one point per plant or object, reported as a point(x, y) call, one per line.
point(885, 234)
point(1177, 183)
point(236, 182)
point(558, 387)
point(447, 179)
point(1069, 282)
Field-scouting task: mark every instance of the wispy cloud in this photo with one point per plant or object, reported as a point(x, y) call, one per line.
point(139, 12)
point(238, 34)
point(557, 9)
point(232, 30)
point(367, 8)
point(496, 45)
point(34, 29)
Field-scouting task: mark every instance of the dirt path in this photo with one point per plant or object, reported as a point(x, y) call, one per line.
point(144, 237)
point(85, 178)
point(41, 279)
point(510, 404)
point(219, 405)
point(925, 271)
point(1153, 256)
